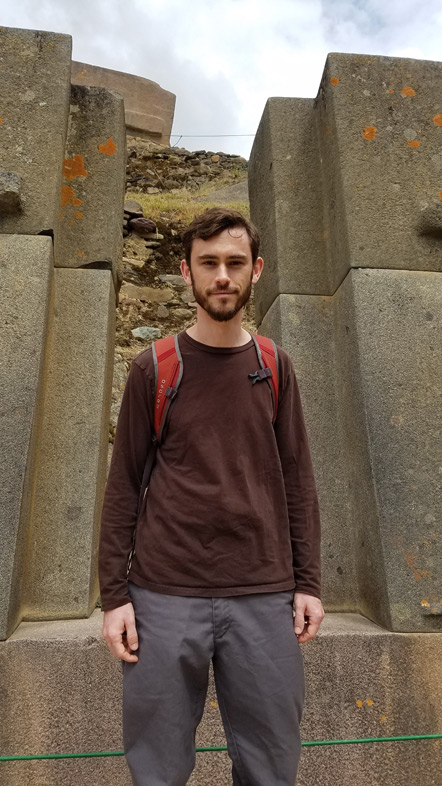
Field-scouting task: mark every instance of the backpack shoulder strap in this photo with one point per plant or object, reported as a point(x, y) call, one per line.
point(168, 364)
point(268, 360)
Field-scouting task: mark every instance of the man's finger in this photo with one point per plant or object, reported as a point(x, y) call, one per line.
point(299, 620)
point(131, 635)
point(310, 631)
point(120, 651)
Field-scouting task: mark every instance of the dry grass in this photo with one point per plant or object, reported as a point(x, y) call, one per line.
point(180, 207)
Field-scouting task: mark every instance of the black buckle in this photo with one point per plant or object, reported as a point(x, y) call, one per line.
point(258, 376)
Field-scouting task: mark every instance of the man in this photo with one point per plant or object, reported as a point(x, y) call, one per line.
point(226, 543)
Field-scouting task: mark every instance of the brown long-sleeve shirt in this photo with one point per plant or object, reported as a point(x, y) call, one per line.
point(232, 506)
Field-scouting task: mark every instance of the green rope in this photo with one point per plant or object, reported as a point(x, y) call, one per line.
point(97, 754)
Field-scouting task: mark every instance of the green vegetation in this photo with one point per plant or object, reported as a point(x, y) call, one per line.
point(180, 206)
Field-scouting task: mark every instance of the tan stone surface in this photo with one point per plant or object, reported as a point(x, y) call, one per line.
point(26, 265)
point(92, 193)
point(61, 569)
point(34, 100)
point(63, 694)
point(148, 294)
point(149, 109)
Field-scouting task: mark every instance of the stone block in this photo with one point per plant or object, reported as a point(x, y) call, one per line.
point(351, 179)
point(92, 193)
point(61, 569)
point(26, 265)
point(380, 133)
point(398, 332)
point(61, 692)
point(369, 363)
point(149, 109)
point(286, 202)
point(304, 326)
point(34, 99)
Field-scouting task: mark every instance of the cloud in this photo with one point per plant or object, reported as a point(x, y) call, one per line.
point(224, 60)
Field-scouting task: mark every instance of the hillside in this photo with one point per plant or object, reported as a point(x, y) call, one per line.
point(165, 188)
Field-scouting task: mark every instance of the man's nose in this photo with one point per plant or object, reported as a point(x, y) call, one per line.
point(222, 275)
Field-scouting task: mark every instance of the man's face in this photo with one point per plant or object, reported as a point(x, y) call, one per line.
point(222, 273)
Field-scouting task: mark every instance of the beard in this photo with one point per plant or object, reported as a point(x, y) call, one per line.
point(222, 312)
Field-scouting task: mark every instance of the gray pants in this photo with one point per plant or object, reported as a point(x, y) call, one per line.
point(259, 680)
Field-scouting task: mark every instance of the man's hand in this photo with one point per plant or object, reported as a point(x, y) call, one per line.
point(120, 633)
point(309, 614)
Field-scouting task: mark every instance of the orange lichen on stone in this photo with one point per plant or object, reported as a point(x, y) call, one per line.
point(391, 90)
point(334, 80)
point(328, 130)
point(108, 148)
point(413, 143)
point(383, 718)
point(418, 574)
point(1, 121)
point(359, 703)
point(438, 120)
point(440, 194)
point(408, 91)
point(77, 202)
point(81, 253)
point(369, 132)
point(425, 603)
point(74, 167)
point(369, 702)
point(67, 194)
point(78, 215)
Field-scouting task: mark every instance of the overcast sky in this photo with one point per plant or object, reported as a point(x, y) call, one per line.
point(224, 59)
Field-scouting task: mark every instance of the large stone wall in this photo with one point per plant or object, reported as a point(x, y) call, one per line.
point(352, 290)
point(62, 156)
point(149, 109)
point(346, 192)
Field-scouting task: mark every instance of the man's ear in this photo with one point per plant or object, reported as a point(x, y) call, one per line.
point(257, 269)
point(185, 272)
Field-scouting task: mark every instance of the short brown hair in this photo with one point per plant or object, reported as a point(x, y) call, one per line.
point(216, 220)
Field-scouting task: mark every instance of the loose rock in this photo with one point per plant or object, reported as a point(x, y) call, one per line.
point(147, 333)
point(133, 208)
point(147, 294)
point(142, 226)
point(175, 281)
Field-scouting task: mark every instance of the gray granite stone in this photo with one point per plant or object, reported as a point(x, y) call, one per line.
point(61, 572)
point(369, 363)
point(286, 202)
point(304, 326)
point(26, 265)
point(352, 179)
point(398, 322)
point(34, 99)
point(380, 137)
point(92, 194)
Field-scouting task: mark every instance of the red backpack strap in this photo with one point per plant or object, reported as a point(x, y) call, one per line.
point(268, 360)
point(168, 365)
